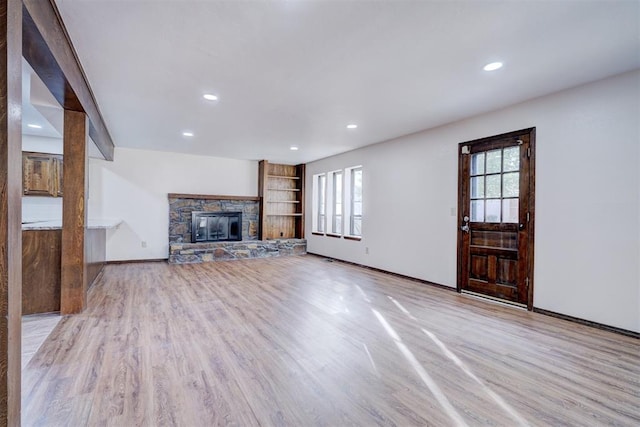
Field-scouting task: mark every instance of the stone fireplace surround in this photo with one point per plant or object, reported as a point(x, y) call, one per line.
point(182, 251)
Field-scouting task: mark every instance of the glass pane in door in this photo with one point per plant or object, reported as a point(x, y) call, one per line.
point(511, 184)
point(477, 187)
point(493, 211)
point(511, 159)
point(477, 210)
point(494, 161)
point(477, 164)
point(510, 210)
point(493, 186)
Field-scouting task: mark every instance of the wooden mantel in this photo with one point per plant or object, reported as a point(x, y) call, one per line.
point(211, 197)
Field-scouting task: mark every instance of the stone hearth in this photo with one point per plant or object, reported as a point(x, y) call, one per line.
point(188, 253)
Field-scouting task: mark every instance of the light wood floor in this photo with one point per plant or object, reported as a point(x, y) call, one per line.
point(301, 341)
point(35, 329)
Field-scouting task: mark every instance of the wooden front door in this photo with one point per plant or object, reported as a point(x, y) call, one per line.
point(495, 205)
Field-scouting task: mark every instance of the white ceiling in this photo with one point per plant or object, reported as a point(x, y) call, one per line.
point(37, 99)
point(297, 72)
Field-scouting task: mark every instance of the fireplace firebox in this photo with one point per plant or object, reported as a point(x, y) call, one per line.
point(216, 226)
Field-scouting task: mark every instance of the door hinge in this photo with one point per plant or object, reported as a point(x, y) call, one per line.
point(529, 152)
point(526, 282)
point(465, 149)
point(520, 142)
point(528, 217)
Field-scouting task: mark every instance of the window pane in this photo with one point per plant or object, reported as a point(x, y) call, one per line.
point(494, 161)
point(321, 223)
point(493, 186)
point(357, 185)
point(357, 227)
point(493, 211)
point(477, 164)
point(510, 210)
point(511, 184)
point(511, 159)
point(477, 210)
point(338, 225)
point(477, 187)
point(321, 188)
point(357, 208)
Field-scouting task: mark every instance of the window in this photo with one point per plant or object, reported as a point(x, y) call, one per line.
point(355, 193)
point(336, 218)
point(337, 203)
point(495, 185)
point(320, 182)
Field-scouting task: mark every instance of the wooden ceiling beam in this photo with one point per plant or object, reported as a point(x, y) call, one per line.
point(48, 49)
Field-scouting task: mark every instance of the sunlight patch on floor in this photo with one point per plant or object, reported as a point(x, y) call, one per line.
point(422, 373)
point(460, 364)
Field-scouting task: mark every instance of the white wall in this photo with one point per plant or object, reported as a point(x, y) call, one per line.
point(35, 208)
point(41, 144)
point(135, 185)
point(587, 237)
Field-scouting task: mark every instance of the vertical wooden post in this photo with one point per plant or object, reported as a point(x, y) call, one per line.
point(10, 209)
point(73, 296)
point(263, 171)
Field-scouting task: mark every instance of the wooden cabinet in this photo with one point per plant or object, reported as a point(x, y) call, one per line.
point(281, 188)
point(41, 259)
point(42, 174)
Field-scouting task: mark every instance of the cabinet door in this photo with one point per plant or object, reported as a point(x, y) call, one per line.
point(58, 174)
point(38, 171)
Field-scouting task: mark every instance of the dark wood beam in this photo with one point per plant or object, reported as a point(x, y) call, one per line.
point(48, 49)
point(10, 210)
point(73, 286)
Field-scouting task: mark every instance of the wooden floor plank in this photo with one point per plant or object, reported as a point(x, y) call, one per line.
point(301, 341)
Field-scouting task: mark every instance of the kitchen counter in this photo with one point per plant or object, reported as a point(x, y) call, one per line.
point(42, 261)
point(105, 224)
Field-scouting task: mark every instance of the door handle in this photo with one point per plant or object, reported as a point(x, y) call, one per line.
point(465, 226)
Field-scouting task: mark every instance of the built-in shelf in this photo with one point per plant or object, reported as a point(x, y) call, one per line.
point(283, 176)
point(282, 209)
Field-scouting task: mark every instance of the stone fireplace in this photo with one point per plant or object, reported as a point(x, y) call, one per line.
point(209, 228)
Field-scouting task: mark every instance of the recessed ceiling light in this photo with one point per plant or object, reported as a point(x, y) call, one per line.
point(210, 97)
point(293, 148)
point(187, 133)
point(32, 126)
point(352, 126)
point(493, 66)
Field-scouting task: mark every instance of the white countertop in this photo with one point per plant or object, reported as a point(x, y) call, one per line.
point(101, 223)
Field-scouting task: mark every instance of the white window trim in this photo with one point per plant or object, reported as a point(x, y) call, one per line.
point(349, 206)
point(331, 222)
point(315, 220)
